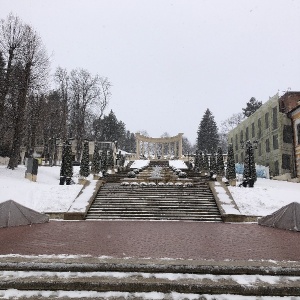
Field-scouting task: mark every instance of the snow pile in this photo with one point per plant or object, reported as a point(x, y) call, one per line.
point(178, 164)
point(139, 164)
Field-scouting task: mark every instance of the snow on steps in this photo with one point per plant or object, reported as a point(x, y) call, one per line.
point(165, 277)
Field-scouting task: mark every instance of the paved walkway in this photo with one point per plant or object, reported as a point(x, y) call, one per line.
point(144, 239)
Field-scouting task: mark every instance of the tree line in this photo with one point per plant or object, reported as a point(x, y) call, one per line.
point(32, 115)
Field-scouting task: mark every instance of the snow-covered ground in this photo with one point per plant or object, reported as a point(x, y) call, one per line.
point(46, 195)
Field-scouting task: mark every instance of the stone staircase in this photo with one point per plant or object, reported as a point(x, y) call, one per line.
point(167, 202)
point(116, 279)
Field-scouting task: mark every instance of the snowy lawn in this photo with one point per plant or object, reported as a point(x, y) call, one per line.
point(46, 195)
point(266, 197)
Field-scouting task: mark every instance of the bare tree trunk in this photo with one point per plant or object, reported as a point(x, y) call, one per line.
point(19, 122)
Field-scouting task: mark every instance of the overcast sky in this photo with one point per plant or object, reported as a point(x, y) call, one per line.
point(168, 60)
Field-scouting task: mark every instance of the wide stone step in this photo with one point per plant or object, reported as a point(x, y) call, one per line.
point(224, 280)
point(155, 218)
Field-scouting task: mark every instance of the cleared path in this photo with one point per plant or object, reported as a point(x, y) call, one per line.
point(144, 239)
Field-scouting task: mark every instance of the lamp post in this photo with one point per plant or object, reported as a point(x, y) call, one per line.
point(249, 163)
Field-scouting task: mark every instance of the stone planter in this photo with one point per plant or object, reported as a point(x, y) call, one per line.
point(232, 182)
point(68, 180)
point(62, 180)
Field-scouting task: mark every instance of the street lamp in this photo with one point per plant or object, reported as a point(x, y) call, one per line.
point(249, 163)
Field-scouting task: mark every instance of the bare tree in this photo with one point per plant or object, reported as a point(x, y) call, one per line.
point(62, 79)
point(88, 93)
point(12, 31)
point(227, 126)
point(33, 71)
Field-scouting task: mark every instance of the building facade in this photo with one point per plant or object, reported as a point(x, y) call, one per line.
point(271, 126)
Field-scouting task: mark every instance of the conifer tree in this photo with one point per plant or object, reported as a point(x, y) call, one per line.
point(249, 163)
point(84, 164)
point(212, 162)
point(196, 163)
point(220, 162)
point(96, 161)
point(207, 134)
point(200, 164)
point(230, 170)
point(205, 161)
point(251, 107)
point(110, 159)
point(104, 161)
point(68, 163)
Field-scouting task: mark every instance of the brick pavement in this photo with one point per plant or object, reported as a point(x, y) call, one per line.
point(144, 239)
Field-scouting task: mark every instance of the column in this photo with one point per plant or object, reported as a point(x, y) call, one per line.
point(180, 148)
point(162, 150)
point(175, 149)
point(169, 150)
point(155, 155)
point(143, 149)
point(137, 148)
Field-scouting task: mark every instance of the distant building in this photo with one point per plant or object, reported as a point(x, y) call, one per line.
point(275, 126)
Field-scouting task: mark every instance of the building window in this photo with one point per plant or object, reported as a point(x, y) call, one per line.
point(247, 134)
point(259, 128)
point(236, 158)
point(259, 149)
point(275, 118)
point(287, 134)
point(242, 157)
point(241, 136)
point(253, 130)
point(298, 133)
point(267, 145)
point(286, 161)
point(236, 142)
point(267, 120)
point(275, 141)
point(231, 140)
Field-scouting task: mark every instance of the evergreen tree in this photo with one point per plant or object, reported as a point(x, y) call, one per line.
point(212, 162)
point(207, 135)
point(68, 163)
point(96, 163)
point(230, 170)
point(205, 161)
point(104, 161)
point(249, 163)
point(84, 165)
point(251, 107)
point(220, 162)
point(196, 163)
point(110, 159)
point(200, 164)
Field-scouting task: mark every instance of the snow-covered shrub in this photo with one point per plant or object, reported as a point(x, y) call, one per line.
point(179, 184)
point(188, 184)
point(143, 183)
point(134, 183)
point(131, 174)
point(136, 171)
point(161, 184)
point(125, 183)
point(169, 183)
point(182, 175)
point(152, 183)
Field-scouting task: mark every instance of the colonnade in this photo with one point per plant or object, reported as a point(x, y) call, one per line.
point(157, 147)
